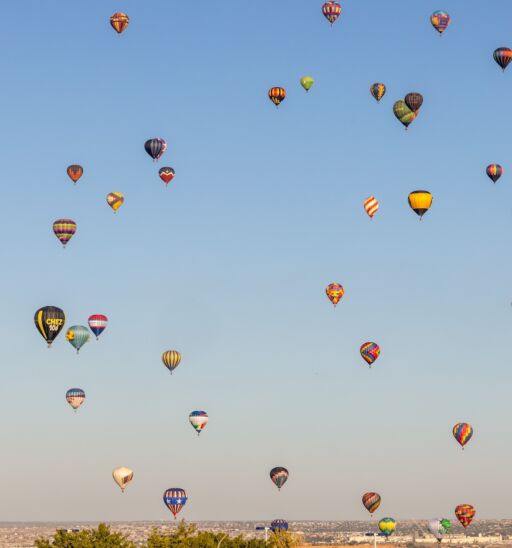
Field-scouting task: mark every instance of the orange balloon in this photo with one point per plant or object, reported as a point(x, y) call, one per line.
point(334, 292)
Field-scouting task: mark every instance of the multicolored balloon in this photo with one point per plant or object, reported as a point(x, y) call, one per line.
point(420, 202)
point(78, 335)
point(97, 324)
point(119, 21)
point(371, 501)
point(279, 525)
point(64, 230)
point(166, 174)
point(503, 56)
point(334, 292)
point(198, 419)
point(378, 91)
point(155, 147)
point(49, 322)
point(307, 82)
point(387, 526)
point(122, 476)
point(277, 95)
point(370, 351)
point(414, 101)
point(446, 523)
point(175, 499)
point(171, 359)
point(494, 172)
point(115, 200)
point(371, 206)
point(440, 21)
point(75, 397)
point(331, 11)
point(279, 476)
point(75, 172)
point(462, 432)
point(465, 514)
point(437, 528)
point(403, 113)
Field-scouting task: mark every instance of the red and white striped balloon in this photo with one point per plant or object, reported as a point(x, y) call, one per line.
point(371, 205)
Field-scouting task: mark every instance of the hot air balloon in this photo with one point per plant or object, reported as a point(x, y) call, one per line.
point(371, 206)
point(166, 174)
point(277, 95)
point(446, 523)
point(462, 432)
point(198, 419)
point(64, 230)
point(155, 147)
point(404, 114)
point(414, 101)
point(97, 324)
point(49, 322)
point(370, 351)
point(115, 200)
point(436, 527)
point(175, 498)
point(503, 56)
point(387, 526)
point(75, 397)
point(494, 172)
point(279, 475)
point(307, 82)
point(119, 21)
point(279, 525)
point(75, 172)
point(440, 21)
point(420, 202)
point(171, 359)
point(371, 501)
point(465, 514)
point(334, 292)
point(378, 91)
point(331, 11)
point(78, 335)
point(122, 476)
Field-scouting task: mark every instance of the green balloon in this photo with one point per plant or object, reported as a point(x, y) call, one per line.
point(446, 523)
point(307, 82)
point(403, 113)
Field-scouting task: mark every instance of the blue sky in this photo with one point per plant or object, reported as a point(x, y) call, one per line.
point(228, 265)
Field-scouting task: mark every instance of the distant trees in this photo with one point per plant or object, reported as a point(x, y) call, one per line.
point(102, 537)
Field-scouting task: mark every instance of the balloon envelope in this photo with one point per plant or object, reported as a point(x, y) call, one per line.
point(404, 114)
point(155, 147)
point(277, 95)
point(371, 206)
point(378, 91)
point(279, 525)
point(387, 526)
point(307, 82)
point(64, 230)
point(75, 397)
point(370, 351)
point(494, 172)
point(49, 322)
point(334, 292)
point(115, 200)
point(502, 56)
point(198, 419)
point(175, 498)
point(279, 476)
point(331, 11)
point(371, 501)
point(171, 359)
point(166, 174)
point(97, 324)
point(465, 514)
point(436, 527)
point(440, 21)
point(119, 21)
point(420, 201)
point(414, 101)
point(462, 432)
point(122, 476)
point(75, 172)
point(78, 335)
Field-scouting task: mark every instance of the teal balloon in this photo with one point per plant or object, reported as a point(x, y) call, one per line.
point(78, 335)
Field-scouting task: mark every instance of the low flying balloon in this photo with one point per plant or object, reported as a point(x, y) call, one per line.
point(75, 172)
point(378, 90)
point(49, 322)
point(371, 501)
point(387, 526)
point(277, 95)
point(370, 351)
point(494, 172)
point(119, 21)
point(436, 527)
point(122, 476)
point(175, 498)
point(166, 174)
point(503, 56)
point(97, 324)
point(115, 200)
point(75, 397)
point(462, 432)
point(420, 202)
point(446, 523)
point(64, 230)
point(155, 147)
point(371, 206)
point(279, 525)
point(440, 21)
point(198, 419)
point(404, 114)
point(334, 292)
point(414, 101)
point(171, 359)
point(307, 82)
point(78, 335)
point(331, 11)
point(279, 476)
point(465, 514)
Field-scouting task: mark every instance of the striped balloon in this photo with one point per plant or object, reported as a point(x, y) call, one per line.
point(64, 230)
point(171, 359)
point(465, 514)
point(97, 324)
point(279, 525)
point(371, 501)
point(331, 11)
point(371, 206)
point(119, 21)
point(75, 397)
point(503, 56)
point(78, 335)
point(277, 95)
point(370, 351)
point(155, 147)
point(198, 419)
point(115, 200)
point(462, 432)
point(279, 476)
point(175, 498)
point(494, 172)
point(387, 526)
point(75, 172)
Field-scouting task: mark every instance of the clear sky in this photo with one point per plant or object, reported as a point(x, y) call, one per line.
point(228, 264)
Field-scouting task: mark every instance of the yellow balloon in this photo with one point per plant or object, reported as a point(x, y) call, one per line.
point(420, 202)
point(115, 200)
point(122, 476)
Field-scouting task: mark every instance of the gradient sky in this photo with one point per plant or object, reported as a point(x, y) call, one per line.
point(229, 263)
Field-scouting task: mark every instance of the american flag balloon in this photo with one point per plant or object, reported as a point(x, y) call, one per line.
point(97, 324)
point(175, 498)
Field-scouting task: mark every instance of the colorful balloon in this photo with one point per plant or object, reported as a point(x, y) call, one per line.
point(64, 230)
point(75, 397)
point(414, 101)
point(446, 523)
point(49, 322)
point(370, 351)
point(97, 324)
point(175, 498)
point(503, 56)
point(279, 476)
point(119, 21)
point(465, 514)
point(331, 11)
point(198, 419)
point(440, 21)
point(279, 525)
point(75, 172)
point(115, 200)
point(436, 527)
point(166, 174)
point(404, 114)
point(334, 292)
point(462, 432)
point(387, 526)
point(378, 91)
point(494, 172)
point(371, 501)
point(78, 335)
point(122, 476)
point(420, 202)
point(171, 359)
point(307, 82)
point(155, 147)
point(277, 95)
point(371, 206)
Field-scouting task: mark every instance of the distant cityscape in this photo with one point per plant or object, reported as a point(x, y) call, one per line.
point(409, 533)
